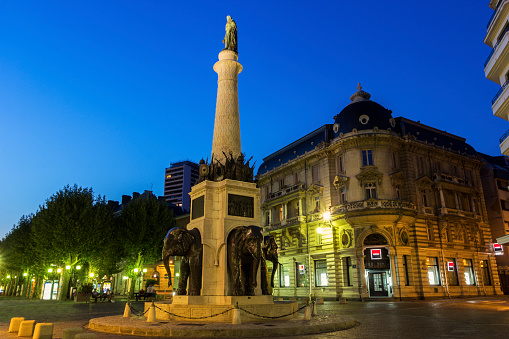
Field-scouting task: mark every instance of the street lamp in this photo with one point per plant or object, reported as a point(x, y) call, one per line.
point(59, 270)
point(78, 267)
point(25, 274)
point(144, 270)
point(50, 270)
point(136, 270)
point(68, 267)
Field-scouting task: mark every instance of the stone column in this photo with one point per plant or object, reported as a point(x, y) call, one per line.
point(227, 125)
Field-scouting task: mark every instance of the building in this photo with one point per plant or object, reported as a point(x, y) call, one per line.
point(375, 206)
point(178, 180)
point(496, 67)
point(495, 181)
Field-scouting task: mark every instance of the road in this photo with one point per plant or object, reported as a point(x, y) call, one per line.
point(456, 318)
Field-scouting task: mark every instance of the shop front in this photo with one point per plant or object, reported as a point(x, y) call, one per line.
point(377, 267)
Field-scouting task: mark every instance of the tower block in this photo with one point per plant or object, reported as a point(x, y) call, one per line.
point(227, 122)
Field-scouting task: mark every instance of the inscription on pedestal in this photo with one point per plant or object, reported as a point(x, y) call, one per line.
point(198, 207)
point(240, 206)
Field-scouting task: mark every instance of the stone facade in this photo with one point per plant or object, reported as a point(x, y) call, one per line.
point(374, 206)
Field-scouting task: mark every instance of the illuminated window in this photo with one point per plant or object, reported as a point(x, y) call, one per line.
point(433, 271)
point(301, 275)
point(321, 276)
point(168, 176)
point(485, 273)
point(452, 272)
point(469, 272)
point(370, 189)
point(284, 275)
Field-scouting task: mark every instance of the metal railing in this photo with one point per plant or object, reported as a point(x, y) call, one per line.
point(499, 92)
point(503, 137)
point(494, 13)
point(375, 203)
point(495, 46)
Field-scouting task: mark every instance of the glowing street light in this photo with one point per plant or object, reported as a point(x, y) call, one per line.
point(136, 270)
point(78, 267)
point(91, 275)
point(68, 267)
point(8, 277)
point(50, 270)
point(25, 274)
point(59, 270)
point(144, 270)
point(326, 216)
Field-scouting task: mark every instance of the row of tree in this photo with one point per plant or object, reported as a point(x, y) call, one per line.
point(77, 229)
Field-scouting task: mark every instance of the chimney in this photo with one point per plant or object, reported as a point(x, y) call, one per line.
point(126, 199)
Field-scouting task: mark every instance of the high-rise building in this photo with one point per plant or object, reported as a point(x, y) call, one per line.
point(496, 67)
point(374, 206)
point(178, 180)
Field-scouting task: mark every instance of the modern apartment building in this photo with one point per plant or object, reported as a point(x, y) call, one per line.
point(496, 67)
point(178, 180)
point(373, 206)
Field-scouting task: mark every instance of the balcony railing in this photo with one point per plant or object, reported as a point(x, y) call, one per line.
point(499, 92)
point(451, 178)
point(503, 137)
point(495, 47)
point(287, 190)
point(372, 203)
point(494, 13)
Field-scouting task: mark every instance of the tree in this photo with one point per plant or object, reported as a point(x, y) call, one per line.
point(143, 225)
point(72, 228)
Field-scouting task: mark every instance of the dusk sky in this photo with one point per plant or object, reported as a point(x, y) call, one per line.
point(105, 94)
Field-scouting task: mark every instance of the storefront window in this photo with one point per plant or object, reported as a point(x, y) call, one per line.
point(485, 273)
point(301, 274)
point(349, 271)
point(433, 272)
point(284, 275)
point(469, 272)
point(452, 272)
point(321, 276)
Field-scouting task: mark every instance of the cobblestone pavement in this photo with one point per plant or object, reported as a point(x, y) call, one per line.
point(456, 318)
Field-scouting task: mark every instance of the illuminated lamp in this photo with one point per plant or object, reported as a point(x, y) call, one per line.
point(25, 274)
point(136, 270)
point(59, 270)
point(91, 275)
point(68, 267)
point(50, 270)
point(125, 278)
point(8, 277)
point(326, 216)
point(78, 267)
point(144, 270)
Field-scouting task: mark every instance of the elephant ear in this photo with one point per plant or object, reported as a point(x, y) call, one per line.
point(240, 236)
point(186, 239)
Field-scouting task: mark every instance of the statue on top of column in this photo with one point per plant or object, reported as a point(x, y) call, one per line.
point(230, 38)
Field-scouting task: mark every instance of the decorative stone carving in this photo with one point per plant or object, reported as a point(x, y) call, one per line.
point(370, 174)
point(234, 169)
point(397, 178)
point(341, 181)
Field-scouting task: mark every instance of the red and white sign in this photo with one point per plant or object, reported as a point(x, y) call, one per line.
point(450, 266)
point(376, 254)
point(302, 269)
point(498, 249)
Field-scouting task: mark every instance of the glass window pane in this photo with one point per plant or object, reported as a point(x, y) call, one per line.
point(321, 276)
point(301, 271)
point(285, 275)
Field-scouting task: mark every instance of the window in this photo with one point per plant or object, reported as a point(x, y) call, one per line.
point(281, 183)
point(301, 274)
point(370, 190)
point(319, 231)
point(321, 276)
point(317, 204)
point(266, 192)
point(295, 178)
point(349, 271)
point(469, 272)
point(284, 276)
point(280, 212)
point(397, 188)
point(424, 197)
point(316, 174)
point(485, 273)
point(367, 157)
point(342, 196)
point(340, 166)
point(405, 266)
point(267, 219)
point(433, 272)
point(394, 160)
point(452, 272)
point(418, 161)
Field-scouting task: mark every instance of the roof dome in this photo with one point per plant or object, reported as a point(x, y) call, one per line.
point(362, 114)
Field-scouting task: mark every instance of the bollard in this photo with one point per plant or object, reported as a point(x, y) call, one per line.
point(43, 331)
point(151, 317)
point(26, 329)
point(127, 310)
point(307, 312)
point(70, 333)
point(315, 312)
point(15, 322)
point(236, 315)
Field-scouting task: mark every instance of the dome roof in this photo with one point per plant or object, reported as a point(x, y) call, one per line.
point(362, 114)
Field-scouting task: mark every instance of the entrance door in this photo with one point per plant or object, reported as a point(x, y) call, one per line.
point(378, 284)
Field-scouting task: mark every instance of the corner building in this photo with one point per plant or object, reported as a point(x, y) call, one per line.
point(378, 207)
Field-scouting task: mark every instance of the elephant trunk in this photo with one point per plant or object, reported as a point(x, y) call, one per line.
point(275, 266)
point(166, 261)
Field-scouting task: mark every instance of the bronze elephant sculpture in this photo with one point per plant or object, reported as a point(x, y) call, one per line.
point(244, 254)
point(269, 251)
point(181, 242)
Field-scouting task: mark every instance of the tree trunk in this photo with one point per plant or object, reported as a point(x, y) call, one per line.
point(131, 288)
point(64, 287)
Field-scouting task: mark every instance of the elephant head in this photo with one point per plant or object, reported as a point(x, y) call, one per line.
point(178, 242)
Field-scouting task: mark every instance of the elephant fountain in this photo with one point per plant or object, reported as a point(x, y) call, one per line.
point(244, 255)
point(181, 242)
point(269, 251)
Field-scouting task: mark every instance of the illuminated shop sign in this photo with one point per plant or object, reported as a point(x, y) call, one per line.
point(376, 254)
point(302, 269)
point(450, 266)
point(497, 248)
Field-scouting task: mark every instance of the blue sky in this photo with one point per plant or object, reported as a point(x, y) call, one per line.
point(105, 94)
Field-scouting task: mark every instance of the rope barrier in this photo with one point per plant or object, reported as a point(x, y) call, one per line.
point(194, 318)
point(275, 317)
point(136, 312)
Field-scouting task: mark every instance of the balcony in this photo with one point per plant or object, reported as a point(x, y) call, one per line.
point(459, 213)
point(286, 191)
point(498, 59)
point(450, 178)
point(377, 211)
point(504, 143)
point(288, 222)
point(372, 204)
point(497, 22)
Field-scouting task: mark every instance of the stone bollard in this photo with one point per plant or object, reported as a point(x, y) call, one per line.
point(15, 322)
point(86, 336)
point(320, 301)
point(127, 310)
point(43, 331)
point(315, 312)
point(307, 312)
point(26, 329)
point(71, 332)
point(236, 315)
point(342, 300)
point(151, 317)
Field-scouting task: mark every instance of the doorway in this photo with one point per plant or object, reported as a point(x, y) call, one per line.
point(378, 284)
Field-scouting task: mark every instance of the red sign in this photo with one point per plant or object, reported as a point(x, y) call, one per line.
point(376, 254)
point(498, 249)
point(450, 266)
